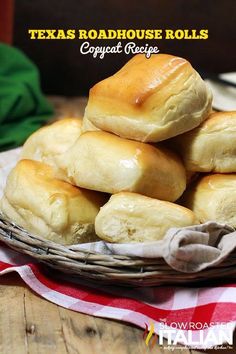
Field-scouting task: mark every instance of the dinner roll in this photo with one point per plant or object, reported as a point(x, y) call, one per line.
point(150, 100)
point(50, 142)
point(45, 206)
point(107, 163)
point(88, 126)
point(211, 146)
point(131, 217)
point(213, 197)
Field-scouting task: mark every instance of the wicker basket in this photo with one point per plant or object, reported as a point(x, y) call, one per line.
point(108, 269)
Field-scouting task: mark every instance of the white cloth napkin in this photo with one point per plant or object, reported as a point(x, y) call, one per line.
point(188, 249)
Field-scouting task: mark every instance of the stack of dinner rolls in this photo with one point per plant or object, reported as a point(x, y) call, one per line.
point(211, 149)
point(119, 173)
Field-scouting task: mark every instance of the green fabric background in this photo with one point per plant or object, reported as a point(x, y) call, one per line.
point(23, 108)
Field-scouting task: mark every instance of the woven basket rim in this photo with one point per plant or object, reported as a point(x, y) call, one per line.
point(106, 268)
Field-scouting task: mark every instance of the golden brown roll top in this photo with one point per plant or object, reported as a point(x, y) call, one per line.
point(37, 201)
point(150, 100)
point(50, 142)
point(107, 163)
point(213, 197)
point(212, 146)
point(130, 217)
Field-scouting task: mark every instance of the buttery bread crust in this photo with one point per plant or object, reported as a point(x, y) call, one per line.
point(50, 142)
point(37, 201)
point(131, 217)
point(211, 147)
point(107, 163)
point(88, 126)
point(150, 100)
point(213, 197)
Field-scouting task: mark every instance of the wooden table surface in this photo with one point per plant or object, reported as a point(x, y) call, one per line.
point(32, 325)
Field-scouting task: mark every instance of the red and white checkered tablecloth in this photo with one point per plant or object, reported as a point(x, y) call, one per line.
point(140, 306)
